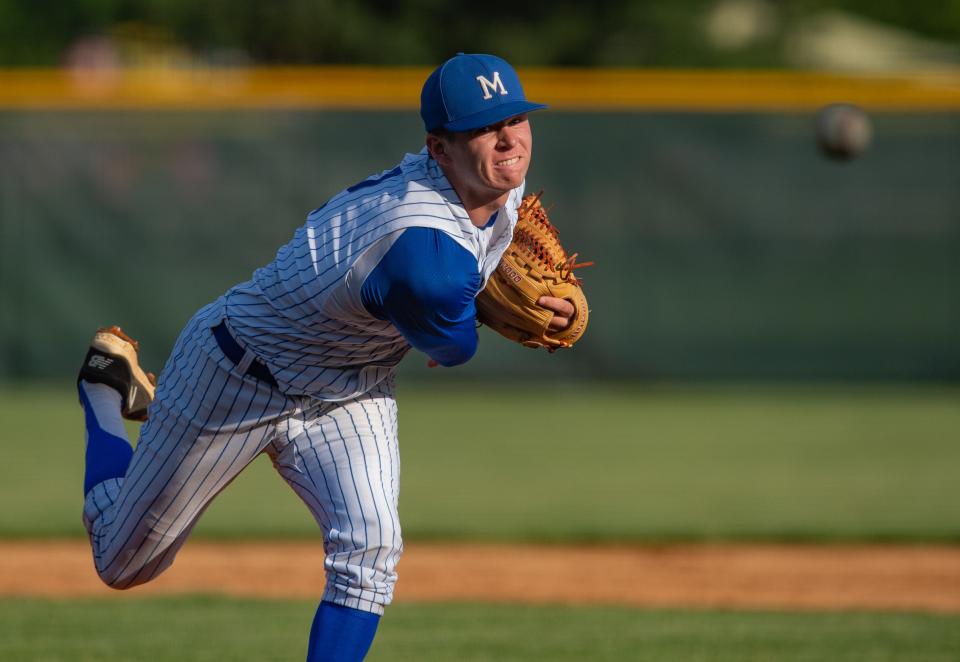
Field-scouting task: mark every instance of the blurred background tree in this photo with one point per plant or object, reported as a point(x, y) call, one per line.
point(665, 33)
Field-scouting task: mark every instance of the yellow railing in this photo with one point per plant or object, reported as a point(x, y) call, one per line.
point(365, 88)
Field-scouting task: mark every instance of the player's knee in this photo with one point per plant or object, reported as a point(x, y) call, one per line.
point(120, 572)
point(116, 580)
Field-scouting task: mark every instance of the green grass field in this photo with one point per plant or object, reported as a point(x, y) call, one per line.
point(568, 462)
point(208, 629)
point(587, 462)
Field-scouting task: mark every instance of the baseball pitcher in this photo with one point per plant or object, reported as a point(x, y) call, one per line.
point(299, 361)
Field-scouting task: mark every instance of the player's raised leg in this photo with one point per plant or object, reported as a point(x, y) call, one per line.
point(206, 424)
point(342, 459)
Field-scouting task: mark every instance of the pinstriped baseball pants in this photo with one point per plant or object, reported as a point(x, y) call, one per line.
point(209, 421)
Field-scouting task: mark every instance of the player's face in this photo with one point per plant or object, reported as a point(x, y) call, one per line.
point(487, 163)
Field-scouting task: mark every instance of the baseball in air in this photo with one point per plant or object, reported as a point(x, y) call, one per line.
point(843, 131)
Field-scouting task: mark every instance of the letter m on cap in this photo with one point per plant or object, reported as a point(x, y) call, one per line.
point(489, 87)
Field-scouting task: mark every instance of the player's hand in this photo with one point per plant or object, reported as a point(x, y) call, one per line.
point(563, 312)
point(562, 309)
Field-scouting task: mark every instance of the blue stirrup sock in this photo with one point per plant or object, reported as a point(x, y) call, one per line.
point(341, 634)
point(108, 449)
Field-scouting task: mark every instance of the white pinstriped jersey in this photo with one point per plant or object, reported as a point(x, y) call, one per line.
point(302, 314)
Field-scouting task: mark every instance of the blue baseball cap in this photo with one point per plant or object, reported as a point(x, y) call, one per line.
point(471, 91)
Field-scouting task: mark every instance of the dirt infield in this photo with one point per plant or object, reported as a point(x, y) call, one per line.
point(925, 578)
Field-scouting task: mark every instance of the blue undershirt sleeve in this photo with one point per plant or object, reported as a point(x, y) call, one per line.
point(425, 285)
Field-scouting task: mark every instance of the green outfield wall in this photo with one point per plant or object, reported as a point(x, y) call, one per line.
point(725, 245)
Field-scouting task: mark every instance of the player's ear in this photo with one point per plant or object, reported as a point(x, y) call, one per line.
point(434, 146)
point(437, 147)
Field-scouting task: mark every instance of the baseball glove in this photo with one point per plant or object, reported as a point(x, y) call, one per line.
point(533, 266)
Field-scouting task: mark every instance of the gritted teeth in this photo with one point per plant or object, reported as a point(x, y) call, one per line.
point(508, 162)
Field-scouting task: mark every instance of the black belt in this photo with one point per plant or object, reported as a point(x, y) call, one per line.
point(233, 351)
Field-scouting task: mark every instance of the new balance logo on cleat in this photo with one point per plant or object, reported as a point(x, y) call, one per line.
point(112, 360)
point(100, 362)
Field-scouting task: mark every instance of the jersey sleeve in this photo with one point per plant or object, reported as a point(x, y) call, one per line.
point(425, 284)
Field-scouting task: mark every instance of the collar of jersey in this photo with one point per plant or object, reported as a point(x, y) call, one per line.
point(444, 189)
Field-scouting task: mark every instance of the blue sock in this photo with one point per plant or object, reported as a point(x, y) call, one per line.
point(108, 455)
point(341, 634)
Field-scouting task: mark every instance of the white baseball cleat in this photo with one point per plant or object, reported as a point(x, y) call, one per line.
point(112, 360)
